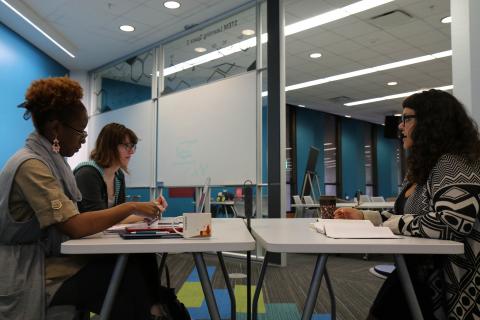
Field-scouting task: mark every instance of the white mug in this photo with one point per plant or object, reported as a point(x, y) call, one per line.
point(195, 225)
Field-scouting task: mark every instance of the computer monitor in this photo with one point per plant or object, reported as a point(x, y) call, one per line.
point(203, 196)
point(310, 171)
point(312, 159)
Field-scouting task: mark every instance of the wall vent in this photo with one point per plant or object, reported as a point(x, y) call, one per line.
point(340, 99)
point(391, 19)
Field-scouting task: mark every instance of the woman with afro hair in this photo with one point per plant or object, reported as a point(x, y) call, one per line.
point(38, 210)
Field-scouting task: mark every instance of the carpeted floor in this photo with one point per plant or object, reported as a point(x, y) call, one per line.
point(285, 288)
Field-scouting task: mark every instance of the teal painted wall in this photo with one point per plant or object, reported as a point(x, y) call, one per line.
point(118, 94)
point(309, 133)
point(20, 64)
point(353, 158)
point(387, 169)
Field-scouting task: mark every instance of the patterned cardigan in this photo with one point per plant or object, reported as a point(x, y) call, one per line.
point(446, 207)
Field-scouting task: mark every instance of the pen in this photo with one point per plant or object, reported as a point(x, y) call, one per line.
point(149, 222)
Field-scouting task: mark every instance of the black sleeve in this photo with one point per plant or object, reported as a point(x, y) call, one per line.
point(121, 195)
point(92, 187)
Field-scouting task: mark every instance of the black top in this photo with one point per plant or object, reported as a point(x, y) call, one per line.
point(94, 190)
point(401, 200)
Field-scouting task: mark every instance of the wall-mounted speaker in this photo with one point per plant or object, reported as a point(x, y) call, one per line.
point(391, 127)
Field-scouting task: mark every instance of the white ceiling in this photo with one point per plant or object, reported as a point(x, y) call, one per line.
point(90, 29)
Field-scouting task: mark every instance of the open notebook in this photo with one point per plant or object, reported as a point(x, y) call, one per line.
point(352, 229)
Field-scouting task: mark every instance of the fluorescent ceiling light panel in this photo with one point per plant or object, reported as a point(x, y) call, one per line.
point(393, 96)
point(38, 28)
point(447, 19)
point(290, 29)
point(333, 15)
point(362, 72)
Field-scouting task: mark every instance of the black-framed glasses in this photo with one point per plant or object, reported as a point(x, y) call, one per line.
point(406, 118)
point(81, 133)
point(129, 146)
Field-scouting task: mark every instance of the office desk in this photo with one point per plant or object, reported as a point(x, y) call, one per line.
point(296, 236)
point(228, 235)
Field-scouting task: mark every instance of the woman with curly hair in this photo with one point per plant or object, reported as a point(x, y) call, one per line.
point(38, 210)
point(439, 199)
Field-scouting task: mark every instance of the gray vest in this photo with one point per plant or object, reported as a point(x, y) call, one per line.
point(22, 254)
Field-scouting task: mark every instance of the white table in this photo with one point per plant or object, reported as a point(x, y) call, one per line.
point(228, 235)
point(367, 205)
point(296, 236)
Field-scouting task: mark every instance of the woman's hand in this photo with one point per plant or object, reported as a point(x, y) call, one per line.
point(348, 213)
point(150, 210)
point(161, 203)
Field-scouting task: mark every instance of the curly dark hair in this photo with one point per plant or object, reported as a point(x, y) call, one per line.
point(53, 99)
point(442, 126)
point(106, 152)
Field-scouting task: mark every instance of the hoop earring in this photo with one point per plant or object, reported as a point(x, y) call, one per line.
point(55, 145)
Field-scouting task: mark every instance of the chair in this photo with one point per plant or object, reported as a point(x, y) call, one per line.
point(364, 198)
point(309, 200)
point(298, 210)
point(239, 207)
point(378, 199)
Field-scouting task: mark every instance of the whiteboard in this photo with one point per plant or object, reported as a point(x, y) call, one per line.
point(140, 118)
point(209, 131)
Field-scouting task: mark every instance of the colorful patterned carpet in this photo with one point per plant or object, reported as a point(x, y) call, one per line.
point(191, 295)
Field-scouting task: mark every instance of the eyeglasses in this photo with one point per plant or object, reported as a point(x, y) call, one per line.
point(129, 146)
point(407, 117)
point(83, 134)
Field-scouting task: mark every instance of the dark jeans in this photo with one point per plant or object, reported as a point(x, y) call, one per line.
point(138, 291)
point(391, 303)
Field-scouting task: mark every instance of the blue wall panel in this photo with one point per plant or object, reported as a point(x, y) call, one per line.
point(20, 64)
point(353, 157)
point(387, 169)
point(309, 133)
point(119, 94)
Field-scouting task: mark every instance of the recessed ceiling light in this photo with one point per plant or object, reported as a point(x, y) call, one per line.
point(393, 96)
point(127, 28)
point(171, 4)
point(315, 55)
point(38, 28)
point(392, 83)
point(200, 49)
point(301, 105)
point(348, 116)
point(397, 114)
point(447, 19)
point(248, 32)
